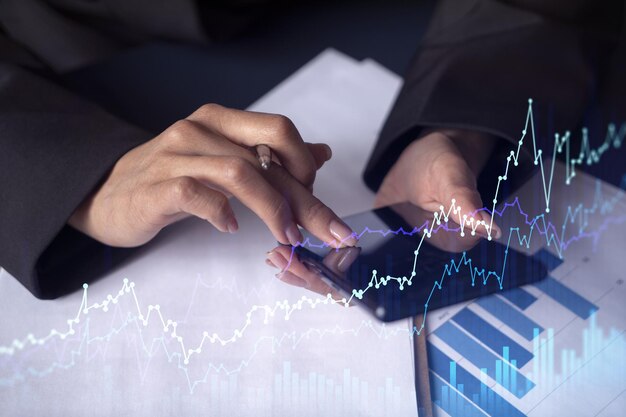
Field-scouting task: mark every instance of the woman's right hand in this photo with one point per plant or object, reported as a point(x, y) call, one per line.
point(194, 165)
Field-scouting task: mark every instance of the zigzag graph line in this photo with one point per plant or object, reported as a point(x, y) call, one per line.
point(613, 138)
point(288, 309)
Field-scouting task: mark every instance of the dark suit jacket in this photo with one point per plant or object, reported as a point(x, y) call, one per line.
point(476, 67)
point(481, 61)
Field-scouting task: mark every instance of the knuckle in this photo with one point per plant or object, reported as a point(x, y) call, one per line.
point(281, 127)
point(238, 171)
point(316, 210)
point(184, 190)
point(209, 108)
point(278, 208)
point(180, 133)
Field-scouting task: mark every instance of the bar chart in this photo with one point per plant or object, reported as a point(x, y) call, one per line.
point(496, 357)
point(315, 393)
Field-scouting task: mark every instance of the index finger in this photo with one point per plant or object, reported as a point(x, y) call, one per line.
point(310, 212)
point(253, 128)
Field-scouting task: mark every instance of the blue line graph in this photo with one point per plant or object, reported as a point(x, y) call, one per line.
point(142, 318)
point(181, 354)
point(482, 341)
point(450, 381)
point(562, 143)
point(578, 215)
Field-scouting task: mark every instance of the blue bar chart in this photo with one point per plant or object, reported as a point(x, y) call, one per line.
point(514, 355)
point(317, 391)
point(519, 297)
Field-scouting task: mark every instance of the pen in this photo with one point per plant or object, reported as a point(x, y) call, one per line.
point(264, 154)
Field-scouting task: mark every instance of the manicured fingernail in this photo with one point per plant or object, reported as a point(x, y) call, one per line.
point(292, 279)
point(342, 233)
point(232, 225)
point(347, 258)
point(293, 235)
point(277, 260)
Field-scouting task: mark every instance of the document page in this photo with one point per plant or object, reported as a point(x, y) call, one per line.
point(197, 324)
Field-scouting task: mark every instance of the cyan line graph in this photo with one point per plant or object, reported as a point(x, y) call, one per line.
point(562, 143)
point(500, 358)
point(83, 339)
point(169, 326)
point(578, 213)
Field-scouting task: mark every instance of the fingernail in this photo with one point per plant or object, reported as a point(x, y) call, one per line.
point(342, 233)
point(232, 225)
point(347, 259)
point(329, 152)
point(292, 279)
point(293, 235)
point(277, 260)
point(269, 263)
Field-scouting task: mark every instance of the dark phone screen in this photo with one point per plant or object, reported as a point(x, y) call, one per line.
point(441, 275)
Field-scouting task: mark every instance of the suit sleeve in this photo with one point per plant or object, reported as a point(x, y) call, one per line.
point(476, 68)
point(55, 148)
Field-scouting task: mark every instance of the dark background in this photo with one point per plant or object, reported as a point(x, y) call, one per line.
point(155, 84)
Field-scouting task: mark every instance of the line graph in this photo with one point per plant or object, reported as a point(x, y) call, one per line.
point(538, 224)
point(554, 236)
point(562, 143)
point(163, 342)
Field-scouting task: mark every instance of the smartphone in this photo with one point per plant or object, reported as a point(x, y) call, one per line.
point(392, 280)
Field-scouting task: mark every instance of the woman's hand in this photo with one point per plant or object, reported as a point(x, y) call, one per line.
point(194, 165)
point(434, 170)
point(294, 272)
point(438, 168)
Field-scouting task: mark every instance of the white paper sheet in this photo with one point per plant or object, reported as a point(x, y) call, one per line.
point(299, 360)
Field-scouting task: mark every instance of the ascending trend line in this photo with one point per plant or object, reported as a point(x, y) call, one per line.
point(562, 143)
point(614, 137)
point(548, 231)
point(440, 222)
point(169, 327)
point(291, 339)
